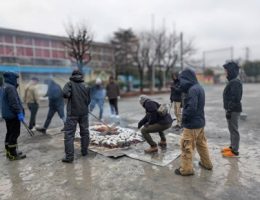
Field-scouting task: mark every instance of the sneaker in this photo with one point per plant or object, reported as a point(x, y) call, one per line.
point(226, 149)
point(42, 130)
point(66, 160)
point(178, 172)
point(151, 150)
point(230, 154)
point(117, 116)
point(163, 144)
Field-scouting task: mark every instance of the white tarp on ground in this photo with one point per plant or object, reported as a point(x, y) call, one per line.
point(136, 151)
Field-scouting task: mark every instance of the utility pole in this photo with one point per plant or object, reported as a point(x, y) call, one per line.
point(247, 51)
point(181, 50)
point(153, 70)
point(231, 53)
point(204, 60)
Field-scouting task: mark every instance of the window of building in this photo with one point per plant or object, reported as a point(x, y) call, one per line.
point(9, 51)
point(41, 43)
point(8, 39)
point(23, 40)
point(2, 50)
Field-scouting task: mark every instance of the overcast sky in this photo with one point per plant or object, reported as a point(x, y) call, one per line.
point(212, 23)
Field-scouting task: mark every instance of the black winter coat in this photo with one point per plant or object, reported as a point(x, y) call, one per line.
point(11, 103)
point(175, 91)
point(194, 102)
point(233, 91)
point(152, 116)
point(78, 94)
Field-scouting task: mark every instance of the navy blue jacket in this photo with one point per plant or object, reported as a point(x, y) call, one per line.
point(11, 103)
point(152, 116)
point(175, 91)
point(194, 102)
point(233, 91)
point(54, 94)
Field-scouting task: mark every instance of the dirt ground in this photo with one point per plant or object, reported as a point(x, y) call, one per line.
point(42, 175)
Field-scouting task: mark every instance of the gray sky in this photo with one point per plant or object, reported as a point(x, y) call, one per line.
point(212, 23)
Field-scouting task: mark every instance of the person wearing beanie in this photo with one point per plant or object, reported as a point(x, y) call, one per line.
point(31, 98)
point(232, 97)
point(153, 122)
point(77, 92)
point(97, 94)
point(13, 114)
point(193, 122)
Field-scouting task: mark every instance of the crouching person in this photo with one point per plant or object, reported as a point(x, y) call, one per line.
point(13, 114)
point(78, 94)
point(193, 121)
point(153, 122)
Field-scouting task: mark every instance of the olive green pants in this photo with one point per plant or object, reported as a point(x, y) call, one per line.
point(154, 128)
point(191, 139)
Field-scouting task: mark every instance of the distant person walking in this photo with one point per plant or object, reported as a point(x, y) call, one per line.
point(56, 104)
point(113, 94)
point(78, 94)
point(13, 114)
point(193, 121)
point(232, 97)
point(176, 99)
point(153, 122)
point(31, 98)
point(97, 97)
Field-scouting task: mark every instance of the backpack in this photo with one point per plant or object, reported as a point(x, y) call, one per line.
point(163, 109)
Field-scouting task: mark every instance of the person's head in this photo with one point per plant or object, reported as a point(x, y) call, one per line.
point(77, 76)
point(98, 81)
point(34, 80)
point(231, 69)
point(187, 79)
point(111, 79)
point(11, 78)
point(143, 99)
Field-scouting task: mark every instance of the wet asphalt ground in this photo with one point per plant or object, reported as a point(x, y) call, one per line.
point(43, 176)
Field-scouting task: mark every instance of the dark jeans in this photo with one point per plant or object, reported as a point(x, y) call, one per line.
point(100, 103)
point(70, 129)
point(113, 106)
point(233, 130)
point(33, 107)
point(154, 128)
point(13, 132)
point(52, 110)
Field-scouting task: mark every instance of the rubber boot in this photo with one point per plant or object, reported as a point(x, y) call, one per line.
point(12, 154)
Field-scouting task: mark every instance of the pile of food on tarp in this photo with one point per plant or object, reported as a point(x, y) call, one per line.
point(113, 136)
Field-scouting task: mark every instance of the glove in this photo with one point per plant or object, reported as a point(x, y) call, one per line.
point(20, 117)
point(118, 97)
point(228, 115)
point(139, 125)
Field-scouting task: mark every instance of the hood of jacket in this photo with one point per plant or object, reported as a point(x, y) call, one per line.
point(232, 70)
point(11, 78)
point(187, 79)
point(77, 76)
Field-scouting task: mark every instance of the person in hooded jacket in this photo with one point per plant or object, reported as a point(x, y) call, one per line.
point(193, 122)
point(153, 122)
point(78, 94)
point(176, 98)
point(56, 104)
point(13, 114)
point(232, 97)
point(97, 97)
point(113, 95)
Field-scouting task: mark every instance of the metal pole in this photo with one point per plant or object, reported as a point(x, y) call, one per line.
point(204, 60)
point(153, 70)
point(181, 50)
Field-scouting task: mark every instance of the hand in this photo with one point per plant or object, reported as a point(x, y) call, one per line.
point(118, 97)
point(228, 115)
point(20, 117)
point(106, 98)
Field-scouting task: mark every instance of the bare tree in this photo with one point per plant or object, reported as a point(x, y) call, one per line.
point(79, 44)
